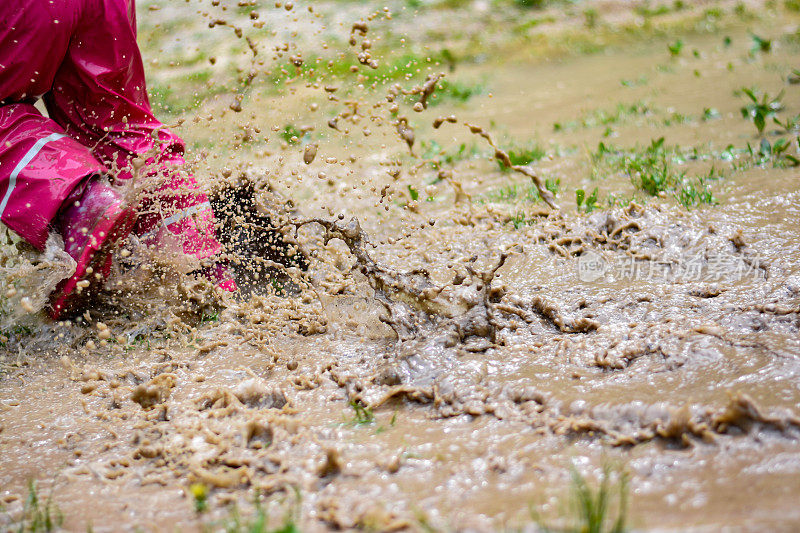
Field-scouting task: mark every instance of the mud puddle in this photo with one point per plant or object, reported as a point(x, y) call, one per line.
point(456, 347)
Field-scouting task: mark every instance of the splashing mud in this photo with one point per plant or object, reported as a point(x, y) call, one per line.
point(431, 333)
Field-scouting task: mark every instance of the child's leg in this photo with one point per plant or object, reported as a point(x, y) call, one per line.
point(178, 208)
point(39, 167)
point(46, 182)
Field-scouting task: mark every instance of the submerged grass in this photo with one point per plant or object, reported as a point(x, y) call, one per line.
point(393, 68)
point(601, 509)
point(291, 134)
point(257, 522)
point(584, 203)
point(515, 192)
point(456, 91)
point(512, 192)
point(620, 114)
point(39, 515)
point(776, 153)
point(523, 155)
point(651, 170)
point(362, 415)
point(438, 157)
point(14, 334)
point(182, 94)
point(596, 36)
point(760, 107)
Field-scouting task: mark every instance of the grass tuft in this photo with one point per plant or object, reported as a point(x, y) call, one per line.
point(675, 48)
point(594, 510)
point(38, 515)
point(291, 134)
point(620, 114)
point(776, 153)
point(258, 522)
point(456, 91)
point(514, 192)
point(438, 157)
point(759, 109)
point(362, 415)
point(652, 171)
point(584, 203)
point(760, 44)
point(524, 155)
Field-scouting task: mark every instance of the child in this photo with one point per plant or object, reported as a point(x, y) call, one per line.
point(81, 57)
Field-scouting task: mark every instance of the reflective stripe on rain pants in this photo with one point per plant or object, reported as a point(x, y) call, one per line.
point(81, 57)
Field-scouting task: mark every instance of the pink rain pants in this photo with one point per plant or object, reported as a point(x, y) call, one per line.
point(81, 57)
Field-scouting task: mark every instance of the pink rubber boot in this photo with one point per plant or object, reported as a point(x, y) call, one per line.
point(92, 219)
point(179, 209)
point(220, 275)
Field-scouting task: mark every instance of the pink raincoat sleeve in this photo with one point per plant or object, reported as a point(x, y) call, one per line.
point(39, 163)
point(100, 97)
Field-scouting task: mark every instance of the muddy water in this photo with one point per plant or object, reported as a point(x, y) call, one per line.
point(660, 340)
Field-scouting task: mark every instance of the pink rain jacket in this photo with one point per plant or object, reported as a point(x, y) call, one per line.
point(81, 57)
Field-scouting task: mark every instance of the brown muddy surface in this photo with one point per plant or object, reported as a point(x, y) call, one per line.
point(456, 346)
